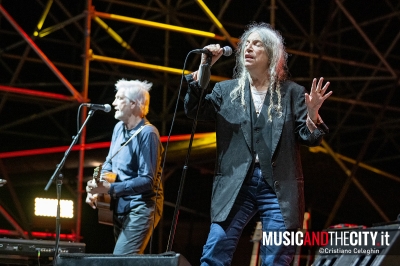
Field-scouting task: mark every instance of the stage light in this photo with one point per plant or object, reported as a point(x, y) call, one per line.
point(48, 207)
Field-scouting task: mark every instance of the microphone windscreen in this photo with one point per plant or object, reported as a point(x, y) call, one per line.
point(107, 108)
point(227, 51)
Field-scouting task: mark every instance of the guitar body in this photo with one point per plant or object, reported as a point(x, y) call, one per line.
point(105, 215)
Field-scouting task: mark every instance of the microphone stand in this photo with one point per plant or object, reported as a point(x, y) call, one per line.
point(59, 183)
point(204, 78)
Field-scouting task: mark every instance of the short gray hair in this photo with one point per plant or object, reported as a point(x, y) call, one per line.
point(137, 91)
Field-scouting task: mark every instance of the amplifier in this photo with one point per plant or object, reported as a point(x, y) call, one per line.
point(42, 248)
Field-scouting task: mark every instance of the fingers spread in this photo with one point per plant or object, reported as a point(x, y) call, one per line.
point(326, 86)
point(320, 82)
point(313, 86)
point(327, 95)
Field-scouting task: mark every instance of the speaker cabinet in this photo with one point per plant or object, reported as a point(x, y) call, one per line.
point(165, 259)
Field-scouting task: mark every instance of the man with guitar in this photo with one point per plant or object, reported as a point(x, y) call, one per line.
point(133, 162)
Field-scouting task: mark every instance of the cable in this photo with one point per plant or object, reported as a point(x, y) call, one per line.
point(77, 118)
point(166, 148)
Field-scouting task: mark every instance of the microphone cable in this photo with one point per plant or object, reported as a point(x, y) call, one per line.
point(166, 146)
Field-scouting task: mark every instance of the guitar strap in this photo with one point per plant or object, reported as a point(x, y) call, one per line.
point(126, 142)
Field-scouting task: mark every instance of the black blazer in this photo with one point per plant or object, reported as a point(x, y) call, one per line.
point(234, 141)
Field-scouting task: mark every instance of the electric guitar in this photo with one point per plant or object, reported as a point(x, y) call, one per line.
point(256, 239)
point(105, 215)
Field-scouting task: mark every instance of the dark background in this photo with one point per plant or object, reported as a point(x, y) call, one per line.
point(351, 43)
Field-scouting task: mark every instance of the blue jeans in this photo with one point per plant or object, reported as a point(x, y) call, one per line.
point(254, 196)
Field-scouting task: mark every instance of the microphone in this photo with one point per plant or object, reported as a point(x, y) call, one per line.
point(227, 51)
point(103, 107)
point(204, 70)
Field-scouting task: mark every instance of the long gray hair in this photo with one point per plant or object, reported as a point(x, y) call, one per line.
point(277, 69)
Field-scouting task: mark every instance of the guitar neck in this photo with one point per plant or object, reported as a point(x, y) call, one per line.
point(254, 261)
point(256, 238)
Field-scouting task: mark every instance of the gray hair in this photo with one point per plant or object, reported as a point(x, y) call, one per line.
point(137, 91)
point(277, 68)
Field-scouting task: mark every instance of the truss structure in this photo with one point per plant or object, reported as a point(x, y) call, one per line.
point(57, 54)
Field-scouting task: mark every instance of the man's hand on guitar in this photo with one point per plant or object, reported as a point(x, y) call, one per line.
point(91, 199)
point(94, 187)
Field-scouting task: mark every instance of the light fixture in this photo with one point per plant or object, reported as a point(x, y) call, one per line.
point(48, 207)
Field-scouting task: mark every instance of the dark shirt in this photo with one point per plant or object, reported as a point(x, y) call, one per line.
point(262, 137)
